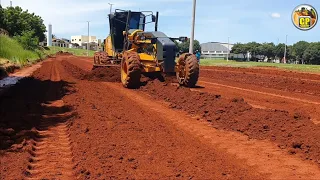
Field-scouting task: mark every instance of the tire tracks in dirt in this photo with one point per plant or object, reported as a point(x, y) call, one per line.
point(264, 93)
point(262, 74)
point(51, 154)
point(264, 155)
point(265, 98)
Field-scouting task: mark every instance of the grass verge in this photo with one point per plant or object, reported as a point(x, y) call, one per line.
point(13, 52)
point(230, 63)
point(14, 56)
point(76, 52)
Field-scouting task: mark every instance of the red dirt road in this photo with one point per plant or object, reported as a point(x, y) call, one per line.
point(268, 89)
point(76, 123)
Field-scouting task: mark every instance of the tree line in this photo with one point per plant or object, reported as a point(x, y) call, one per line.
point(301, 52)
point(183, 47)
point(27, 28)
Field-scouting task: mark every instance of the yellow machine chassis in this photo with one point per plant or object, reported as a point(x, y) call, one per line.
point(149, 62)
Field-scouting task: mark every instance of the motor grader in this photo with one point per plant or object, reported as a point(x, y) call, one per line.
point(144, 52)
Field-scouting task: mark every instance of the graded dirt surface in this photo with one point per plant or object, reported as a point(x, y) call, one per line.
point(267, 89)
point(68, 121)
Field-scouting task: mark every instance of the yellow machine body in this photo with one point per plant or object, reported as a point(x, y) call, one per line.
point(148, 60)
point(108, 47)
point(138, 51)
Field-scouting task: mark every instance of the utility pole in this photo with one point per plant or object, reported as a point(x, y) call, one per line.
point(10, 3)
point(110, 7)
point(228, 50)
point(285, 51)
point(192, 28)
point(88, 43)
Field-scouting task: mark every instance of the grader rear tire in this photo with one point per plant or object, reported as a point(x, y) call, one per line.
point(188, 73)
point(130, 70)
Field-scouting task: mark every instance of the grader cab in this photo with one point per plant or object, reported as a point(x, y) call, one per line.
point(138, 51)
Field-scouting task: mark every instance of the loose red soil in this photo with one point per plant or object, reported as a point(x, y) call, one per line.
point(109, 135)
point(106, 74)
point(293, 132)
point(266, 71)
point(277, 89)
point(280, 80)
point(21, 113)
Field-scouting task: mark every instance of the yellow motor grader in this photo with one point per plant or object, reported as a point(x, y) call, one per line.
point(138, 51)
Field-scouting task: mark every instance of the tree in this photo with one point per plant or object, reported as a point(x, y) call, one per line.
point(290, 53)
point(28, 40)
point(184, 46)
point(279, 50)
point(1, 17)
point(239, 48)
point(299, 48)
point(17, 21)
point(312, 53)
point(267, 49)
point(254, 48)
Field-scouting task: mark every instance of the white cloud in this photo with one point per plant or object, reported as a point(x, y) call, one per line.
point(275, 15)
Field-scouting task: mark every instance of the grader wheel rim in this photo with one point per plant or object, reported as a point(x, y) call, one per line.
point(131, 70)
point(181, 69)
point(181, 73)
point(124, 71)
point(188, 70)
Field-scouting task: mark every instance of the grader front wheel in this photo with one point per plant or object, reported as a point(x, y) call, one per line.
point(130, 70)
point(188, 70)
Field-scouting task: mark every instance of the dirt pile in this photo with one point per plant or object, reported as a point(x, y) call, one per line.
point(106, 74)
point(294, 132)
point(73, 70)
point(61, 53)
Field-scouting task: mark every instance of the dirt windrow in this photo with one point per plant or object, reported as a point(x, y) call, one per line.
point(106, 74)
point(293, 132)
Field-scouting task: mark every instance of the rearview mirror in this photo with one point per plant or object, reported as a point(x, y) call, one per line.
point(183, 39)
point(153, 18)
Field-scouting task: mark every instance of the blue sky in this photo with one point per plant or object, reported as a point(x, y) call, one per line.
point(216, 20)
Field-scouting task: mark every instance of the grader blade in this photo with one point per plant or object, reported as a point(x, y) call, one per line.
point(101, 59)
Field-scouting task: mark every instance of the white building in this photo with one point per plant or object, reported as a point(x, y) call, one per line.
point(56, 42)
point(80, 40)
point(215, 50)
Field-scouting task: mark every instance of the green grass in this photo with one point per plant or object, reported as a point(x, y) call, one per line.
point(10, 49)
point(230, 63)
point(77, 52)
